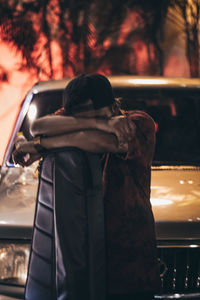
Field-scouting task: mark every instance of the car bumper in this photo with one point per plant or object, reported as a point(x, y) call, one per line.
point(16, 293)
point(3, 297)
point(178, 296)
point(8, 292)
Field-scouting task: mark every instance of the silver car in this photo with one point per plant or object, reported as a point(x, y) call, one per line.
point(174, 104)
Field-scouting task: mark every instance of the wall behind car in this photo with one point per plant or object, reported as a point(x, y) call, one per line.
point(15, 82)
point(13, 86)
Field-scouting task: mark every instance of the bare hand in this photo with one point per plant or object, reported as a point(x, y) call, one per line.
point(123, 128)
point(25, 154)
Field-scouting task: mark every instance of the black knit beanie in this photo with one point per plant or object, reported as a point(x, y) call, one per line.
point(95, 87)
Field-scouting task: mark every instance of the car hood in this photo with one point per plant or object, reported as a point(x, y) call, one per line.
point(175, 198)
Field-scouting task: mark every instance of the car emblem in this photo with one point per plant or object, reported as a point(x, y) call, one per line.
point(163, 267)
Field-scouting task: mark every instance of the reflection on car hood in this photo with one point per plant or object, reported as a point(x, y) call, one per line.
point(175, 194)
point(17, 196)
point(175, 197)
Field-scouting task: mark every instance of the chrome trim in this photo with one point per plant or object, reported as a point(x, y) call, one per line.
point(183, 168)
point(10, 165)
point(163, 266)
point(128, 82)
point(14, 292)
point(153, 82)
point(7, 298)
point(192, 246)
point(3, 297)
point(178, 296)
point(18, 124)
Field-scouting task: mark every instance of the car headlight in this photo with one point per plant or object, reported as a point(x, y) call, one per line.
point(14, 263)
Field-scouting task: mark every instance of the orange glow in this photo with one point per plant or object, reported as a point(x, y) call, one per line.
point(133, 20)
point(11, 92)
point(177, 65)
point(142, 57)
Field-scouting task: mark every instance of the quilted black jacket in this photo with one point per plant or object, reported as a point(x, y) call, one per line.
point(67, 259)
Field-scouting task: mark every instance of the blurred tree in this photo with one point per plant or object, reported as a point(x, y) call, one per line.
point(185, 14)
point(92, 35)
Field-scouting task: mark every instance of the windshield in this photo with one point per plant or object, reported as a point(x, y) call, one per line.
point(45, 103)
point(177, 117)
point(176, 114)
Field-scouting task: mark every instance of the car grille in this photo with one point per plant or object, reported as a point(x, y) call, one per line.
point(179, 269)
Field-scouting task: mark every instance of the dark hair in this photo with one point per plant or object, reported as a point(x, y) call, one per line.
point(94, 87)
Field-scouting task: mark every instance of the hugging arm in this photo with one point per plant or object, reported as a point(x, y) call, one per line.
point(91, 140)
point(89, 134)
point(113, 137)
point(58, 125)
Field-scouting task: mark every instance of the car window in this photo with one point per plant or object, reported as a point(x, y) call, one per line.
point(42, 104)
point(177, 117)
